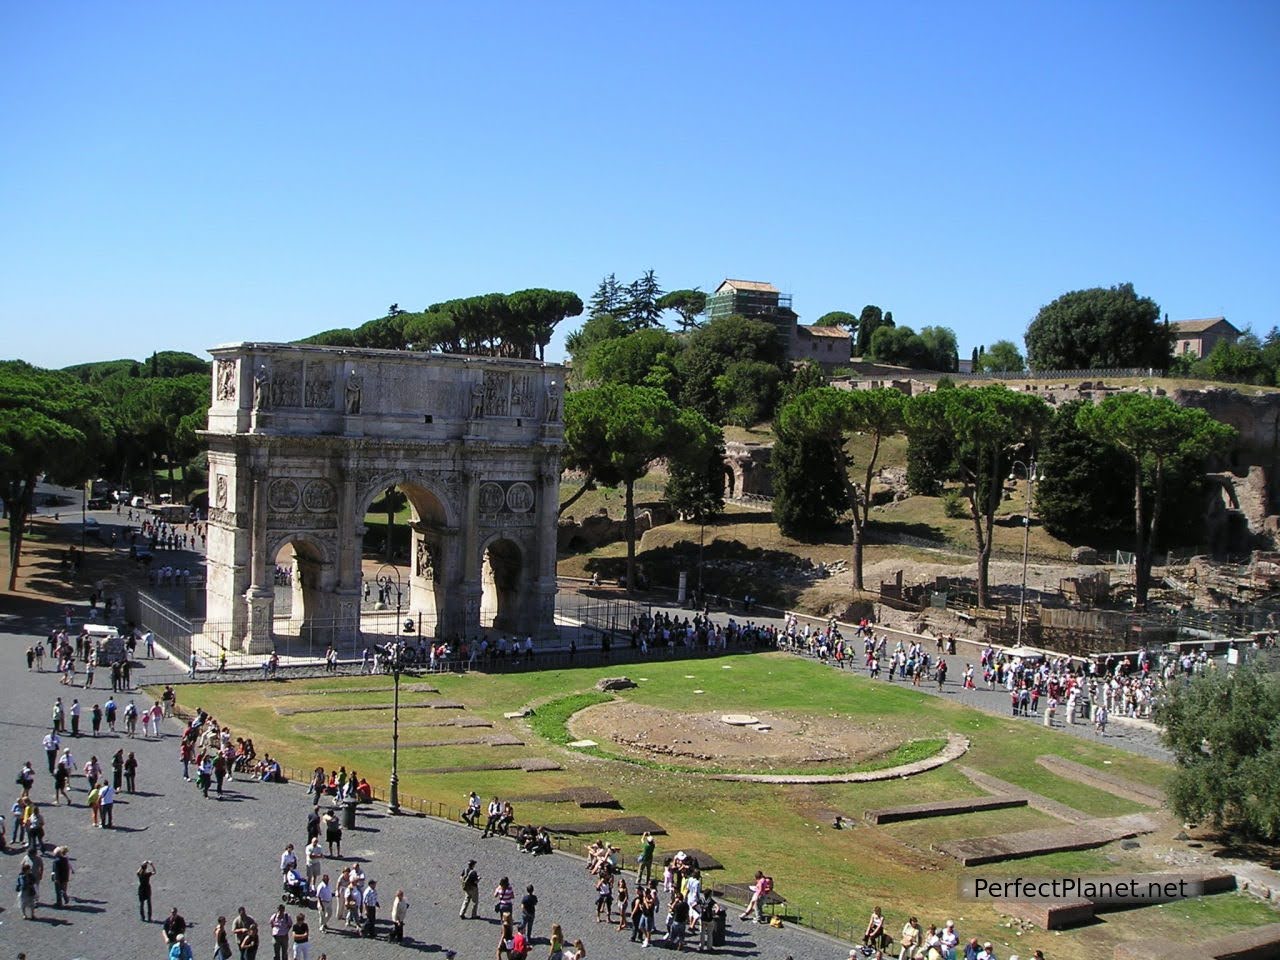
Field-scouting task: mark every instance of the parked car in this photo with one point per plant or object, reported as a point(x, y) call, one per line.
point(138, 502)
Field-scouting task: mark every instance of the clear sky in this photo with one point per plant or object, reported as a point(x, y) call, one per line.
point(174, 176)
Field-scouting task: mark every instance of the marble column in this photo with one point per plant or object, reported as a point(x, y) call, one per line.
point(260, 598)
point(469, 582)
point(548, 516)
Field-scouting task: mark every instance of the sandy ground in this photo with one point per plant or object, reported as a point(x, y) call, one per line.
point(697, 739)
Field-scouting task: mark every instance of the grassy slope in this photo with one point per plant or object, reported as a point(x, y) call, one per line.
point(784, 829)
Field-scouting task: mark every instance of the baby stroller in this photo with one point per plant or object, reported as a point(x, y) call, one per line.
point(296, 889)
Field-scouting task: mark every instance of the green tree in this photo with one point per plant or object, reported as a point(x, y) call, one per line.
point(828, 416)
point(614, 433)
point(535, 314)
point(645, 357)
point(695, 485)
point(596, 330)
point(1086, 495)
point(642, 303)
point(748, 391)
point(712, 349)
point(808, 495)
point(838, 318)
point(1157, 436)
point(688, 305)
point(899, 345)
point(941, 352)
point(50, 424)
point(1103, 327)
point(610, 299)
point(1241, 362)
point(1224, 731)
point(803, 376)
point(870, 320)
point(1003, 357)
point(986, 427)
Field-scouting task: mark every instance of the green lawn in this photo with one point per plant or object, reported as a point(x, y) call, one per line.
point(783, 829)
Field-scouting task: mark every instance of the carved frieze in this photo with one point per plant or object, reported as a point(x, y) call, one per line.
point(301, 520)
point(520, 497)
point(283, 496)
point(226, 379)
point(286, 383)
point(425, 564)
point(492, 497)
point(220, 491)
point(497, 393)
point(318, 496)
point(319, 391)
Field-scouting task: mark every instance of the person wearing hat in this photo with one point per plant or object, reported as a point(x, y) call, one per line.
point(987, 952)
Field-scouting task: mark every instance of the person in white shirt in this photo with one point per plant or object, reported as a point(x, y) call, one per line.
point(288, 859)
point(324, 901)
point(315, 858)
point(371, 911)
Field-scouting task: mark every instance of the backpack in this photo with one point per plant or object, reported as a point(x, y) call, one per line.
point(519, 947)
point(766, 885)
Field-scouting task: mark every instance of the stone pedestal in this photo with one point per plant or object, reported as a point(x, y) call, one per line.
point(259, 606)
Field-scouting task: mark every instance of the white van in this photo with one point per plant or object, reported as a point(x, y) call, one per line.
point(138, 502)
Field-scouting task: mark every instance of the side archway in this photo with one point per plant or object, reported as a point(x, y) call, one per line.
point(503, 578)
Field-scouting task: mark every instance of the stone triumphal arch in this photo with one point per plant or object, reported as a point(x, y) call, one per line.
point(302, 439)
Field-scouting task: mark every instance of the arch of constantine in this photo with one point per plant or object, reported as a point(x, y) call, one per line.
point(302, 439)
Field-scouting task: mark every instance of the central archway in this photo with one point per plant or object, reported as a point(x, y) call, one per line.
point(414, 539)
point(501, 581)
point(303, 581)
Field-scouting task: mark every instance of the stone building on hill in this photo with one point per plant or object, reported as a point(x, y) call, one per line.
point(1197, 338)
point(829, 346)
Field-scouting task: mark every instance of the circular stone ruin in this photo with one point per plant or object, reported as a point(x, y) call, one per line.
point(747, 742)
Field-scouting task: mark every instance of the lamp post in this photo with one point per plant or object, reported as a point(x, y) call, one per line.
point(1028, 468)
point(397, 664)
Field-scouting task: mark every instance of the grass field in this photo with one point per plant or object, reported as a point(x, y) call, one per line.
point(782, 829)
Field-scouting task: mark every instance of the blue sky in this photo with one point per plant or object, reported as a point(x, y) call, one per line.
point(176, 176)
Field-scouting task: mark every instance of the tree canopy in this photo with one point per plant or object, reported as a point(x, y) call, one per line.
point(614, 433)
point(712, 378)
point(1224, 731)
point(823, 418)
point(933, 348)
point(1003, 357)
point(50, 424)
point(1156, 436)
point(1103, 327)
point(516, 325)
point(687, 304)
point(986, 428)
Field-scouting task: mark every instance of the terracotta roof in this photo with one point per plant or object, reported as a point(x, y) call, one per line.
point(748, 285)
point(813, 331)
point(1199, 326)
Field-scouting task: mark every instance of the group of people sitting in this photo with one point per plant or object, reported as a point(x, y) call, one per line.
point(936, 943)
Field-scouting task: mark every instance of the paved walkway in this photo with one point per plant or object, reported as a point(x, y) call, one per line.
point(215, 855)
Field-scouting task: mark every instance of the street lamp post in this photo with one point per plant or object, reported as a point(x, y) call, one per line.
point(397, 664)
point(1029, 468)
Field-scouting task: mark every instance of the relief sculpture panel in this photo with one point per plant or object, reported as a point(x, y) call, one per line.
point(286, 384)
point(497, 393)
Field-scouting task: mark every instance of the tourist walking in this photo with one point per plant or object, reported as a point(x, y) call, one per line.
point(61, 877)
point(131, 773)
point(145, 873)
point(399, 910)
point(470, 889)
